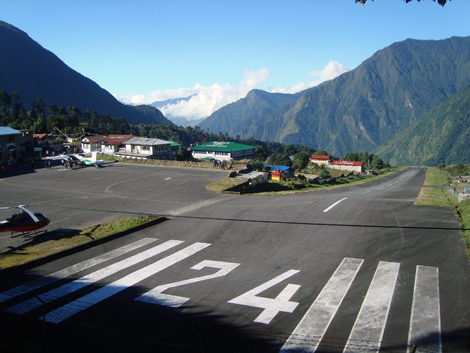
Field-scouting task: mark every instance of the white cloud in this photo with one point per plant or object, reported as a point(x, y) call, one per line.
point(332, 70)
point(207, 99)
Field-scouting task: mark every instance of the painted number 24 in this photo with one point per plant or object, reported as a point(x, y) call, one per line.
point(271, 306)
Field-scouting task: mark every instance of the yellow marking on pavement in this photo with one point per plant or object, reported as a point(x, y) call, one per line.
point(43, 188)
point(60, 220)
point(108, 191)
point(187, 181)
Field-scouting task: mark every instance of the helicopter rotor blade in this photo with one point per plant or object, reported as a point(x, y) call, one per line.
point(31, 214)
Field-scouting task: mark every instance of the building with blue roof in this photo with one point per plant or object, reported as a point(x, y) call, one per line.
point(282, 168)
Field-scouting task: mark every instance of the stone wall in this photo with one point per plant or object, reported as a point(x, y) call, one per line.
point(183, 164)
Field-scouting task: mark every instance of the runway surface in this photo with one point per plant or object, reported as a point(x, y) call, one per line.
point(356, 269)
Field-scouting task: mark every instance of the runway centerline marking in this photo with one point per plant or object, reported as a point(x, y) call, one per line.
point(333, 205)
point(365, 192)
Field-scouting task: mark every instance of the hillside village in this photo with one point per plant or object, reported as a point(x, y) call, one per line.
point(22, 146)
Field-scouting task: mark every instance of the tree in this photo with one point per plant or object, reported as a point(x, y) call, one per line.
point(440, 2)
point(300, 160)
point(38, 106)
point(5, 102)
point(321, 153)
point(53, 109)
point(261, 153)
point(289, 150)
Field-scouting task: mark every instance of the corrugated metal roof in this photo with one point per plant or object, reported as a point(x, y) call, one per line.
point(216, 146)
point(6, 130)
point(281, 168)
point(251, 175)
point(143, 141)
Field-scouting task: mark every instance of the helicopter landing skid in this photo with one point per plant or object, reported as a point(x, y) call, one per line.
point(29, 234)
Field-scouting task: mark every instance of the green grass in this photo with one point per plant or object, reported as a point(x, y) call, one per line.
point(436, 194)
point(70, 240)
point(223, 184)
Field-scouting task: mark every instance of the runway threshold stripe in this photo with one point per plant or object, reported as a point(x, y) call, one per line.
point(56, 276)
point(425, 325)
point(333, 205)
point(91, 278)
point(367, 332)
point(307, 336)
point(64, 312)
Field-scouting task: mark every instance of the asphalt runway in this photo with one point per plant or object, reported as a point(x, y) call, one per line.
point(353, 269)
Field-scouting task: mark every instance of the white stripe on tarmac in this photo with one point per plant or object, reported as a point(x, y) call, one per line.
point(365, 192)
point(53, 277)
point(91, 278)
point(105, 292)
point(425, 325)
point(367, 332)
point(333, 205)
point(307, 335)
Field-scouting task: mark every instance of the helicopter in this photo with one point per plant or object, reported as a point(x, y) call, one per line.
point(25, 222)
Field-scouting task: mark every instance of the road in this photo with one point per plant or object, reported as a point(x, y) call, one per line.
point(353, 269)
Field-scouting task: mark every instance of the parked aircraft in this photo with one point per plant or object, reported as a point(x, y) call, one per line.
point(24, 221)
point(82, 159)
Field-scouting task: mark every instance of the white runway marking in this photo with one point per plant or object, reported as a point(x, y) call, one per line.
point(91, 278)
point(133, 278)
point(271, 306)
point(333, 205)
point(380, 188)
point(365, 192)
point(167, 178)
point(53, 277)
point(155, 296)
point(425, 325)
point(371, 320)
point(307, 335)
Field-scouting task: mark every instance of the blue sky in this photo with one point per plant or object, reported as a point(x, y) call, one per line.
point(142, 51)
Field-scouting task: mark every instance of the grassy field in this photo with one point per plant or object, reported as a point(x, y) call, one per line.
point(223, 184)
point(435, 194)
point(70, 240)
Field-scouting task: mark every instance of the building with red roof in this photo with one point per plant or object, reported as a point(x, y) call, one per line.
point(348, 166)
point(320, 159)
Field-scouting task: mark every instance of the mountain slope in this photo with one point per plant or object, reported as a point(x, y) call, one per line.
point(237, 117)
point(363, 108)
point(442, 135)
point(34, 72)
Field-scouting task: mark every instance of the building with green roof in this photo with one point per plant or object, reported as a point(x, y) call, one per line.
point(223, 150)
point(175, 146)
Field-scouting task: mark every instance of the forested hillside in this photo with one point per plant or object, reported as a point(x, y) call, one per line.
point(365, 107)
point(442, 135)
point(237, 117)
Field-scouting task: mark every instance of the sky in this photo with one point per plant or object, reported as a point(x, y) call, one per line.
point(143, 51)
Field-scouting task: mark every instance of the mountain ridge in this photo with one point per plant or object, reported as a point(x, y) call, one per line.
point(35, 72)
point(365, 107)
